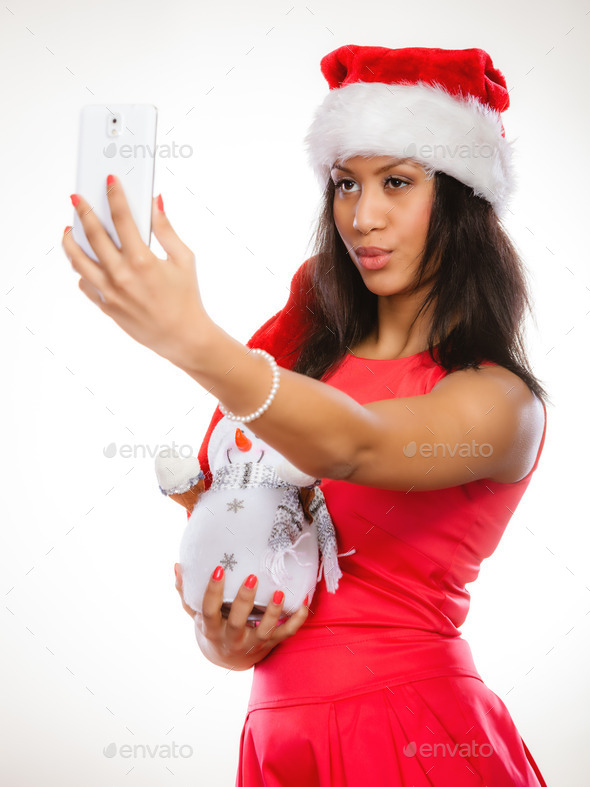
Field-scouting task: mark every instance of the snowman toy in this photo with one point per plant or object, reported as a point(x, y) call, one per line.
point(261, 515)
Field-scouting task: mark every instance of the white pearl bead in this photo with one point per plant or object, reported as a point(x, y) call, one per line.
point(274, 388)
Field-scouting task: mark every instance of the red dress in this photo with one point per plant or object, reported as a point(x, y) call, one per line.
point(378, 687)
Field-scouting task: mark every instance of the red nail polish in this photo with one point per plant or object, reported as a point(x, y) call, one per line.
point(278, 596)
point(175, 571)
point(75, 199)
point(218, 573)
point(160, 203)
point(66, 229)
point(251, 581)
point(110, 180)
point(305, 600)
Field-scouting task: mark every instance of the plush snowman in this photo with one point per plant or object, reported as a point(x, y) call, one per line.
point(261, 515)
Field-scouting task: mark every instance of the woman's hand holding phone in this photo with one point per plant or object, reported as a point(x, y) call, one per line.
point(150, 299)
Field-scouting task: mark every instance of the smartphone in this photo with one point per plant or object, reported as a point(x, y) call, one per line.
point(119, 139)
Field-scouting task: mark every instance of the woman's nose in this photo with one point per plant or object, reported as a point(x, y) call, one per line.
point(370, 213)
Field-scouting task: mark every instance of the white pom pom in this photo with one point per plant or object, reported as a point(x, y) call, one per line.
point(176, 474)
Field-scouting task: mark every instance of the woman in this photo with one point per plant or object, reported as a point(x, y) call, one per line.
point(405, 388)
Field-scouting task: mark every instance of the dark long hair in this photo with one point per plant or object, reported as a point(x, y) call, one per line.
point(478, 298)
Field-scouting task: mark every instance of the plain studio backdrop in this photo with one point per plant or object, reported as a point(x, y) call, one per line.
point(103, 681)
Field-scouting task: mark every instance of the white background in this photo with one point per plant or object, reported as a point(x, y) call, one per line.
point(96, 647)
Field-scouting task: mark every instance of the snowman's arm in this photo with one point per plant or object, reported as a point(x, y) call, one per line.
point(189, 499)
point(179, 479)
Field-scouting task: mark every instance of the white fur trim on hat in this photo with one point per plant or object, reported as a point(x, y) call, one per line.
point(458, 136)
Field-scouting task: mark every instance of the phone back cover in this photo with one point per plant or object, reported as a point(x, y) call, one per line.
point(130, 155)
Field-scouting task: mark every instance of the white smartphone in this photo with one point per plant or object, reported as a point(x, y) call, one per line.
point(119, 139)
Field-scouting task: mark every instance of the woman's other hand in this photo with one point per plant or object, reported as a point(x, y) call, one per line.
point(232, 642)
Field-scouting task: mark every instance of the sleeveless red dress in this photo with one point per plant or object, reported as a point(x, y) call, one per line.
point(378, 687)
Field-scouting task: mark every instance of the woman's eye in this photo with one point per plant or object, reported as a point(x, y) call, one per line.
point(397, 180)
point(340, 183)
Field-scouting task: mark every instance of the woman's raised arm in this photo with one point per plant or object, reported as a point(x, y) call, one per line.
point(328, 434)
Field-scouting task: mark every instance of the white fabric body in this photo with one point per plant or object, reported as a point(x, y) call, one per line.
point(231, 527)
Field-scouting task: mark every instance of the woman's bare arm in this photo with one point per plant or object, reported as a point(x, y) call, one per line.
point(327, 434)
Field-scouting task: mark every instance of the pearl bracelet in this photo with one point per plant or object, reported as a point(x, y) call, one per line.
point(275, 386)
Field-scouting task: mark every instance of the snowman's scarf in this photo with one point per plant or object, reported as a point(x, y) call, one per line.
point(289, 519)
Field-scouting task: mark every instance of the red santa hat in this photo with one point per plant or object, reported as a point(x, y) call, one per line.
point(439, 107)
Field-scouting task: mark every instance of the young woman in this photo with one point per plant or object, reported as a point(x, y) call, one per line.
point(404, 386)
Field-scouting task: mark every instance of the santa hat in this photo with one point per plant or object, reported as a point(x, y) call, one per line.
point(439, 107)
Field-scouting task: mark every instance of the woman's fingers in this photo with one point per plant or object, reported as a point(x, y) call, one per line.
point(131, 242)
point(212, 619)
point(234, 634)
point(292, 624)
point(89, 270)
point(152, 300)
point(166, 236)
point(91, 292)
point(100, 241)
point(268, 625)
point(241, 607)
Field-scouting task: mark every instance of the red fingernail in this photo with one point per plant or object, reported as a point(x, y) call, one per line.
point(305, 601)
point(278, 596)
point(251, 581)
point(75, 199)
point(160, 203)
point(110, 180)
point(218, 573)
point(175, 571)
point(66, 229)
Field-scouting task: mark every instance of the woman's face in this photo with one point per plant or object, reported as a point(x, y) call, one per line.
point(381, 203)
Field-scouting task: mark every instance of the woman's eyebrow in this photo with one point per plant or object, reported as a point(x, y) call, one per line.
point(394, 163)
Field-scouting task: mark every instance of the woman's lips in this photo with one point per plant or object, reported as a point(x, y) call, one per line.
point(374, 263)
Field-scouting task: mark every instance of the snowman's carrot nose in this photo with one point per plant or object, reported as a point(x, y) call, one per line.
point(242, 442)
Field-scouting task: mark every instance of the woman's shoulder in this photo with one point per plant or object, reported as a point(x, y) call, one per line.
point(493, 386)
point(487, 370)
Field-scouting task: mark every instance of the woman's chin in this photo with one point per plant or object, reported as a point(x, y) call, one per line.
point(380, 283)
